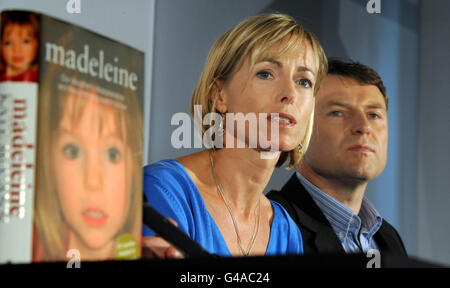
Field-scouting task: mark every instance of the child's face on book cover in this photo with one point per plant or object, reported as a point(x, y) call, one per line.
point(19, 47)
point(90, 165)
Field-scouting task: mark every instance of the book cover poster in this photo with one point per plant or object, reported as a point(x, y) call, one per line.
point(89, 156)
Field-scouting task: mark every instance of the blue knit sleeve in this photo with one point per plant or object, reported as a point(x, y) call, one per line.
point(167, 190)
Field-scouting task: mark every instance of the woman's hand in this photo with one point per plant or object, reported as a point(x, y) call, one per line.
point(157, 247)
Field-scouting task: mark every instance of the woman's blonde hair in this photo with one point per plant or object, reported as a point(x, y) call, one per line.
point(255, 38)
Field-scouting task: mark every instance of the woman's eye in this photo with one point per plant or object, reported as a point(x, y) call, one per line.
point(7, 43)
point(72, 151)
point(264, 75)
point(113, 155)
point(374, 116)
point(305, 83)
point(336, 113)
point(26, 41)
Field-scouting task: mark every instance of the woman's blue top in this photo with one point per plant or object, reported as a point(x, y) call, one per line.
point(170, 190)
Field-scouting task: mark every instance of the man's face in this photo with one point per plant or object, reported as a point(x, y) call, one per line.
point(350, 135)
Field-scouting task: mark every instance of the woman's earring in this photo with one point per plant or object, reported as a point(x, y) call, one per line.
point(299, 147)
point(220, 130)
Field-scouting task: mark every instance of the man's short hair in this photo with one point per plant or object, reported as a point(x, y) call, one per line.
point(359, 72)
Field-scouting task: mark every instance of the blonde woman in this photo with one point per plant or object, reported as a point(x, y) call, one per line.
point(266, 64)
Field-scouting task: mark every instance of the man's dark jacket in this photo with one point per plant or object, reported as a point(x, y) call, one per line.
point(317, 233)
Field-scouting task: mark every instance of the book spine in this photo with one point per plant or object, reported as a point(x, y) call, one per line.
point(18, 117)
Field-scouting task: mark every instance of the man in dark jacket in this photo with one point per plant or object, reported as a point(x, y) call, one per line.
point(348, 148)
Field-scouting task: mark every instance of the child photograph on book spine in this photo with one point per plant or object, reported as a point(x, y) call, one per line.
point(89, 160)
point(19, 46)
